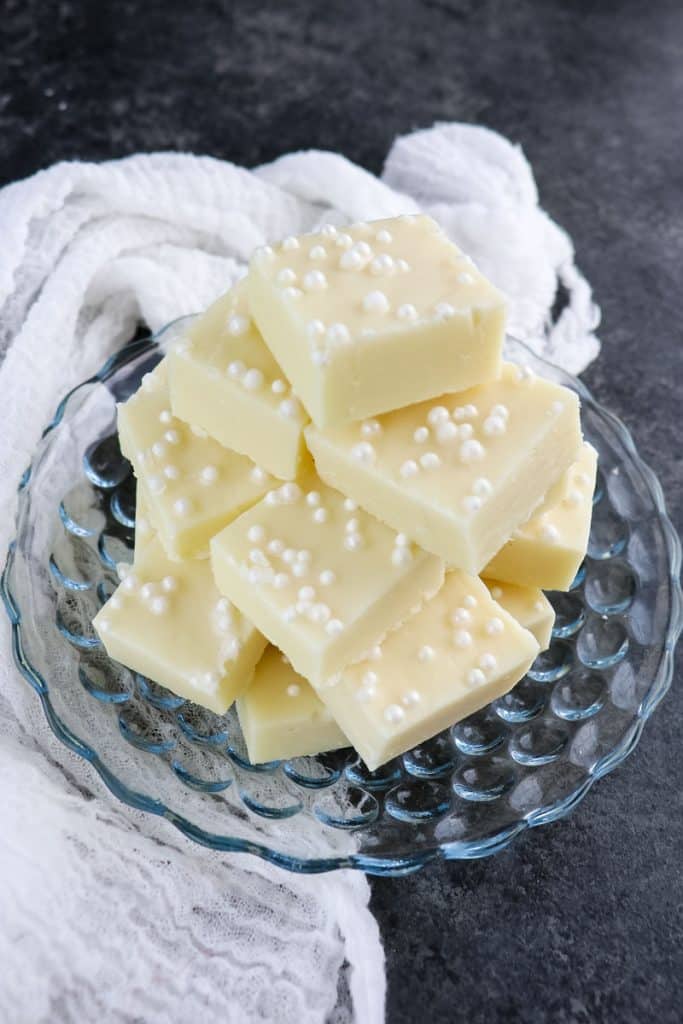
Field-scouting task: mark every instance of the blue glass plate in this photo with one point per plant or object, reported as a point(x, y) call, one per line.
point(525, 760)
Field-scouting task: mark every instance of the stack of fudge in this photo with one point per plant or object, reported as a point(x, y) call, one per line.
point(348, 503)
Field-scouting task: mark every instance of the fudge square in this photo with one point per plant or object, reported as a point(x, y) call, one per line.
point(375, 316)
point(459, 474)
point(458, 653)
point(548, 549)
point(190, 485)
point(167, 621)
point(322, 579)
point(528, 605)
point(223, 378)
point(281, 715)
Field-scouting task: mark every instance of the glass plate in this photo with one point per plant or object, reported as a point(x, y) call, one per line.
point(525, 760)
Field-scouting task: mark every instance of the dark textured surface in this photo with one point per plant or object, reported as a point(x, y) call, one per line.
point(582, 921)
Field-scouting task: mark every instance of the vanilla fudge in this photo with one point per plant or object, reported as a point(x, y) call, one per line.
point(322, 579)
point(528, 605)
point(547, 550)
point(224, 379)
point(461, 651)
point(281, 715)
point(191, 486)
point(168, 621)
point(459, 474)
point(375, 316)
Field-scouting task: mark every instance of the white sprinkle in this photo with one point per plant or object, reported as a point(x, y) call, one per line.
point(351, 526)
point(470, 602)
point(319, 357)
point(446, 432)
point(375, 653)
point(462, 638)
point(401, 540)
point(280, 580)
point(253, 380)
point(123, 569)
point(410, 698)
point(338, 334)
point(272, 498)
point(158, 605)
point(494, 426)
point(320, 515)
point(403, 265)
point(371, 428)
point(198, 431)
point(409, 469)
point(500, 410)
point(421, 435)
point(430, 460)
point(304, 556)
point(317, 253)
point(364, 694)
point(156, 484)
point(426, 653)
point(289, 556)
point(103, 626)
point(286, 276)
point(394, 714)
point(550, 533)
point(363, 247)
point(382, 264)
point(289, 613)
point(470, 411)
point(237, 325)
point(275, 546)
point(401, 556)
point(444, 310)
point(437, 414)
point(315, 330)
point(171, 472)
point(582, 480)
point(471, 503)
point(482, 487)
point(351, 259)
point(539, 606)
point(487, 662)
point(158, 449)
point(476, 677)
point(496, 593)
point(232, 648)
point(208, 475)
point(328, 230)
point(465, 431)
point(343, 240)
point(258, 475)
point(315, 281)
point(182, 507)
point(289, 407)
point(494, 626)
point(574, 498)
point(313, 499)
point(376, 302)
point(293, 690)
point(290, 243)
point(306, 593)
point(471, 451)
point(165, 416)
point(334, 627)
point(353, 542)
point(169, 584)
point(557, 407)
point(256, 533)
point(292, 293)
point(147, 591)
point(370, 678)
point(525, 373)
point(460, 616)
point(130, 583)
point(363, 452)
point(278, 387)
point(290, 492)
point(383, 236)
point(350, 505)
point(465, 278)
point(407, 311)
point(236, 369)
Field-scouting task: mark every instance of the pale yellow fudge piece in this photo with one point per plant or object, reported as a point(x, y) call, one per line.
point(461, 651)
point(224, 379)
point(547, 550)
point(282, 716)
point(320, 578)
point(191, 485)
point(457, 475)
point(168, 621)
point(375, 316)
point(528, 605)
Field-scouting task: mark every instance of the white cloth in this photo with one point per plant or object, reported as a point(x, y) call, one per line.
point(105, 913)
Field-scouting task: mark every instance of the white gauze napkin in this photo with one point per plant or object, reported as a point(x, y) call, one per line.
point(106, 913)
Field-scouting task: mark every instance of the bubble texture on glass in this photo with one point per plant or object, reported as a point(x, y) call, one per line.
point(525, 760)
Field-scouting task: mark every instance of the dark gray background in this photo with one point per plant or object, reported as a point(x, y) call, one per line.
point(581, 921)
